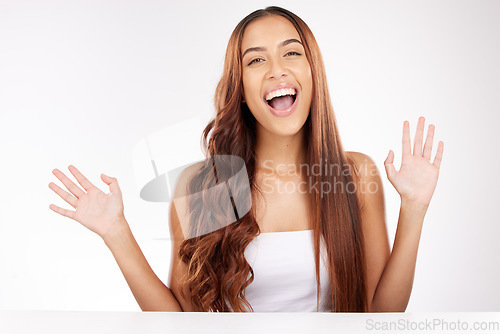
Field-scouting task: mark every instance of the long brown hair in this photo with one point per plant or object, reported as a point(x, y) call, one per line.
point(218, 272)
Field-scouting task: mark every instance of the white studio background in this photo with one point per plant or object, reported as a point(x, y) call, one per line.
point(84, 82)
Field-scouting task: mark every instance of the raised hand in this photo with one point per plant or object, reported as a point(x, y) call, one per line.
point(96, 210)
point(417, 178)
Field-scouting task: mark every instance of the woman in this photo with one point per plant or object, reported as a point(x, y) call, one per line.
point(274, 112)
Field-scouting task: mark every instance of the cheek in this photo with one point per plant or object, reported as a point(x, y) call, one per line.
point(308, 72)
point(304, 73)
point(251, 93)
point(249, 86)
point(307, 78)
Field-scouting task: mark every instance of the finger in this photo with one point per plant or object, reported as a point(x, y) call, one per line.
point(71, 200)
point(389, 165)
point(112, 183)
point(419, 137)
point(61, 211)
point(439, 155)
point(86, 184)
point(70, 185)
point(428, 142)
point(406, 139)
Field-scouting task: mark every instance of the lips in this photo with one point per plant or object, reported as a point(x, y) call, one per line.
point(286, 88)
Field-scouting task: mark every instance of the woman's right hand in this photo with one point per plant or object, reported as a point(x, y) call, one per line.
point(96, 210)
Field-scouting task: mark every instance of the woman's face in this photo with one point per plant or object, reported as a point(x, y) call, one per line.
point(277, 81)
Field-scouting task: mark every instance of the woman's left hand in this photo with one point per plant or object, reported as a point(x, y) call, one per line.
point(417, 178)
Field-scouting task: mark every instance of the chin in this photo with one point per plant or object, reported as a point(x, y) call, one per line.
point(286, 129)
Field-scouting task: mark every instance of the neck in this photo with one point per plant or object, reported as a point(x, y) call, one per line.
point(279, 154)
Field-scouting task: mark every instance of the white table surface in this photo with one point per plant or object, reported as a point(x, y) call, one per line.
point(72, 322)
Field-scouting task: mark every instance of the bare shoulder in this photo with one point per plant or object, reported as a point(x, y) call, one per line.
point(365, 172)
point(185, 175)
point(360, 159)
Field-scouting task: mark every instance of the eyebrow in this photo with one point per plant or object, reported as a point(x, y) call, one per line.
point(261, 48)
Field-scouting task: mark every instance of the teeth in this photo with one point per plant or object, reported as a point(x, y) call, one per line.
point(280, 92)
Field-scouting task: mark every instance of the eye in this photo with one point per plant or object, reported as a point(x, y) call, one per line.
point(293, 53)
point(256, 60)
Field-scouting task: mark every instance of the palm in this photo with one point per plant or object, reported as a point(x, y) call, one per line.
point(94, 209)
point(417, 178)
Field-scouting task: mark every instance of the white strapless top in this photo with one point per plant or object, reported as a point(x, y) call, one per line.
point(285, 273)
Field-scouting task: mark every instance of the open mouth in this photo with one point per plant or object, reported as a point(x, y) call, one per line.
point(281, 99)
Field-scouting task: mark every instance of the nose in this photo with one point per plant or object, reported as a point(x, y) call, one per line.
point(276, 69)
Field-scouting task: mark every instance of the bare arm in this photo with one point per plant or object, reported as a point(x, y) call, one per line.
point(390, 277)
point(149, 291)
point(103, 214)
point(394, 288)
point(377, 249)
